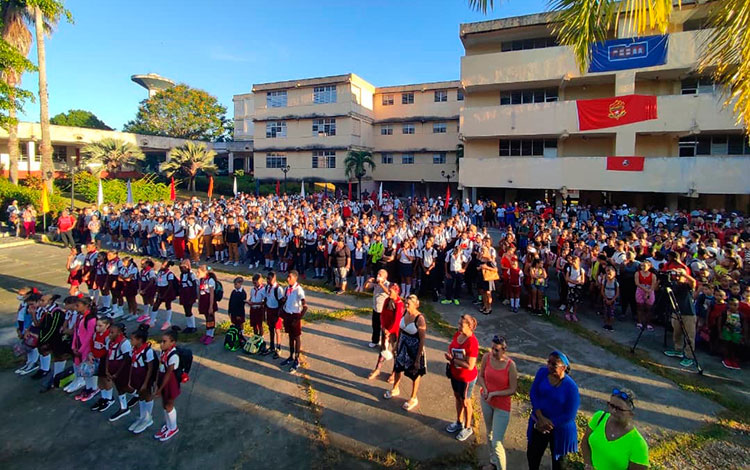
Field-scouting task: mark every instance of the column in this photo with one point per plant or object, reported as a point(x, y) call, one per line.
point(230, 163)
point(672, 201)
point(31, 152)
point(474, 194)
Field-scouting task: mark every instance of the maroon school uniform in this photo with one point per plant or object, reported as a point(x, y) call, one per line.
point(165, 289)
point(89, 271)
point(147, 285)
point(118, 355)
point(172, 389)
point(139, 360)
point(188, 289)
point(100, 269)
point(113, 273)
point(129, 280)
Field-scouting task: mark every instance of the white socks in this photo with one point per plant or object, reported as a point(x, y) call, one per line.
point(169, 316)
point(210, 332)
point(106, 301)
point(91, 383)
point(44, 362)
point(95, 294)
point(153, 314)
point(123, 399)
point(171, 419)
point(32, 357)
point(191, 322)
point(148, 406)
point(58, 367)
point(107, 394)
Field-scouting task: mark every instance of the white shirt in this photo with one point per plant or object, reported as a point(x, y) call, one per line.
point(174, 360)
point(272, 293)
point(294, 297)
point(257, 295)
point(144, 358)
point(121, 351)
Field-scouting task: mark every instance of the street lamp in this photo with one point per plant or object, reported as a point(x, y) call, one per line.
point(448, 175)
point(285, 169)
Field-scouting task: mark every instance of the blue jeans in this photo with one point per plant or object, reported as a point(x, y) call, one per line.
point(453, 286)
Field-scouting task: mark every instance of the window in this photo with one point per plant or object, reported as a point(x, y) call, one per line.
point(525, 44)
point(275, 160)
point(324, 127)
point(59, 153)
point(275, 129)
point(386, 158)
point(386, 129)
point(460, 95)
point(387, 100)
point(438, 158)
point(407, 129)
point(324, 94)
point(720, 144)
point(356, 127)
point(23, 155)
point(528, 96)
point(407, 98)
point(407, 159)
point(527, 147)
point(276, 99)
point(441, 96)
point(439, 128)
point(37, 153)
point(698, 86)
point(324, 159)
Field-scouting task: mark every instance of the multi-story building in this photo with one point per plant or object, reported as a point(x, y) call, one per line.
point(310, 125)
point(521, 129)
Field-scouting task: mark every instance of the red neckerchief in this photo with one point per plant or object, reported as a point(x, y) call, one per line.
point(290, 289)
point(165, 356)
point(138, 351)
point(116, 343)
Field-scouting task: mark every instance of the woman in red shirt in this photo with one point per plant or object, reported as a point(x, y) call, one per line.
point(390, 320)
point(462, 369)
point(65, 225)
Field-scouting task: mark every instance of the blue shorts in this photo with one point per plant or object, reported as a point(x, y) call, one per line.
point(465, 389)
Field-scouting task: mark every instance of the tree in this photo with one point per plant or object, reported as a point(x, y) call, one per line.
point(79, 118)
point(188, 160)
point(355, 163)
point(180, 111)
point(112, 154)
point(725, 50)
point(15, 44)
point(459, 155)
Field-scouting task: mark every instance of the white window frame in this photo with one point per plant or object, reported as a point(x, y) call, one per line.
point(275, 160)
point(438, 158)
point(276, 99)
point(439, 128)
point(459, 95)
point(324, 94)
point(441, 96)
point(324, 126)
point(387, 99)
point(407, 159)
point(275, 129)
point(326, 157)
point(386, 158)
point(408, 128)
point(407, 97)
point(386, 129)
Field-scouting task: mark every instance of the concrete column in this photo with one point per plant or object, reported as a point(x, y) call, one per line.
point(625, 83)
point(625, 143)
point(473, 194)
point(31, 151)
point(672, 201)
point(427, 190)
point(248, 167)
point(230, 163)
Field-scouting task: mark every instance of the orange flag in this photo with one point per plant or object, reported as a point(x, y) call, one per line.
point(210, 186)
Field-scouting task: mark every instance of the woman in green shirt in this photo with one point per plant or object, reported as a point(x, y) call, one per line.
point(611, 441)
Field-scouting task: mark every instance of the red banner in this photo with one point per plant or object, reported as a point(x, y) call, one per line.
point(617, 111)
point(172, 192)
point(625, 163)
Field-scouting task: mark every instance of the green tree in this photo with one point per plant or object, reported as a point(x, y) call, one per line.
point(79, 118)
point(180, 111)
point(356, 164)
point(725, 50)
point(188, 160)
point(112, 154)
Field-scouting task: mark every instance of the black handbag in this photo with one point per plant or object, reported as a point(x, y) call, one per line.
point(448, 370)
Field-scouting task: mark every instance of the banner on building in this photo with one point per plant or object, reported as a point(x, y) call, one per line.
point(611, 112)
point(625, 163)
point(630, 53)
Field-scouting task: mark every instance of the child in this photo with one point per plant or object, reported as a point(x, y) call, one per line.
point(27, 328)
point(142, 377)
point(515, 280)
point(75, 270)
point(165, 293)
point(72, 317)
point(273, 295)
point(733, 334)
point(256, 302)
point(146, 288)
point(168, 387)
point(188, 294)
point(128, 279)
point(294, 309)
point(93, 366)
point(610, 291)
point(714, 317)
point(49, 319)
point(207, 305)
point(117, 373)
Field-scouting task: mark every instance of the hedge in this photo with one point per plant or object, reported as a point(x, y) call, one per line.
point(26, 195)
point(223, 186)
point(115, 191)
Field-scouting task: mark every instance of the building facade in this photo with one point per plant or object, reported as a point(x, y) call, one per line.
point(521, 131)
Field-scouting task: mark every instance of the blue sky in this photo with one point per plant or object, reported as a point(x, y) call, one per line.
point(225, 46)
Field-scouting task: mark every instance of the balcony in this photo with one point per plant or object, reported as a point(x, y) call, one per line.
point(706, 175)
point(677, 113)
point(494, 70)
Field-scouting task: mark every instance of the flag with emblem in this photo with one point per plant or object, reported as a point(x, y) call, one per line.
point(625, 163)
point(616, 111)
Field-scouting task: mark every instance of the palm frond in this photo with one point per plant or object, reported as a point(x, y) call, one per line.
point(189, 159)
point(644, 15)
point(725, 50)
point(482, 6)
point(580, 23)
point(356, 162)
point(112, 153)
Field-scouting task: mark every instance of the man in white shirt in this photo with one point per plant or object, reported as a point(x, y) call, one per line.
point(295, 308)
point(380, 288)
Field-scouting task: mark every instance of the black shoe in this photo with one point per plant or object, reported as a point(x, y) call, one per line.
point(189, 330)
point(98, 404)
point(132, 402)
point(40, 374)
point(119, 414)
point(287, 361)
point(275, 355)
point(265, 351)
point(295, 366)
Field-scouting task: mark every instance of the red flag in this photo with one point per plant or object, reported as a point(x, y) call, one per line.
point(617, 111)
point(447, 198)
point(210, 186)
point(278, 188)
point(172, 192)
point(350, 190)
point(625, 163)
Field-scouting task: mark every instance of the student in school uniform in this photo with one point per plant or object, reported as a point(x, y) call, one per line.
point(207, 305)
point(256, 301)
point(236, 309)
point(75, 271)
point(129, 280)
point(168, 386)
point(142, 376)
point(113, 287)
point(165, 293)
point(100, 280)
point(116, 374)
point(93, 362)
point(274, 294)
point(49, 320)
point(295, 308)
point(26, 296)
point(72, 317)
point(146, 288)
point(188, 294)
point(88, 274)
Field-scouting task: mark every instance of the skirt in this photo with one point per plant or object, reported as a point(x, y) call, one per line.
point(171, 390)
point(188, 296)
point(406, 353)
point(129, 288)
point(100, 281)
point(75, 278)
point(405, 269)
point(122, 379)
point(165, 294)
point(138, 378)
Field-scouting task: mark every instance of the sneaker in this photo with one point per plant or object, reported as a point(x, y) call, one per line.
point(235, 264)
point(371, 345)
point(105, 405)
point(76, 385)
point(687, 362)
point(453, 427)
point(135, 424)
point(119, 414)
point(673, 353)
point(83, 393)
point(117, 313)
point(649, 328)
point(40, 374)
point(209, 340)
point(165, 326)
point(21, 369)
point(275, 355)
point(727, 363)
point(98, 404)
point(132, 402)
point(464, 434)
point(446, 301)
point(574, 317)
point(161, 432)
point(142, 318)
point(89, 396)
point(455, 301)
point(169, 434)
point(287, 361)
point(562, 307)
point(143, 425)
point(567, 317)
point(639, 326)
point(27, 370)
point(295, 366)
point(189, 330)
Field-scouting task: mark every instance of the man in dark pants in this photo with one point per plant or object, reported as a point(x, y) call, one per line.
point(429, 261)
point(627, 284)
point(380, 291)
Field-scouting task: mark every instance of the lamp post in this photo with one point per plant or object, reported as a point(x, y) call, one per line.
point(73, 169)
point(448, 175)
point(285, 169)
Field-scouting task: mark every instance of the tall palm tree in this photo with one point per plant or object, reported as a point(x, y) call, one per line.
point(188, 160)
point(356, 164)
point(112, 154)
point(725, 51)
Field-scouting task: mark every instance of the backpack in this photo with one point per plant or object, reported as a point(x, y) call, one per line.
point(232, 339)
point(254, 345)
point(186, 362)
point(218, 291)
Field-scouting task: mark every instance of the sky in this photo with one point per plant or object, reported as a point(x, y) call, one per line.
point(225, 46)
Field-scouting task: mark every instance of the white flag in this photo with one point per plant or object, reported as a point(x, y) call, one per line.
point(302, 192)
point(130, 193)
point(100, 194)
point(234, 188)
point(380, 194)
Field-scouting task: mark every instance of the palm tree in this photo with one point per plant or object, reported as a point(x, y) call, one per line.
point(725, 50)
point(188, 160)
point(356, 162)
point(459, 155)
point(112, 154)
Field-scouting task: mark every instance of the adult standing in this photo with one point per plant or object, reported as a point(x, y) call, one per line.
point(194, 238)
point(340, 261)
point(410, 354)
point(554, 401)
point(65, 224)
point(29, 221)
point(612, 441)
point(380, 291)
point(390, 321)
point(684, 287)
point(462, 366)
point(498, 379)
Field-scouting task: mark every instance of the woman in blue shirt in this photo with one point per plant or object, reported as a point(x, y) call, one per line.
point(554, 401)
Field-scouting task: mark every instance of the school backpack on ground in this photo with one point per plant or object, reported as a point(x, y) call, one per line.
point(254, 345)
point(218, 291)
point(232, 339)
point(186, 362)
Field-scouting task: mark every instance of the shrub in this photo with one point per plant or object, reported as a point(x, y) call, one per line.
point(115, 191)
point(26, 196)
